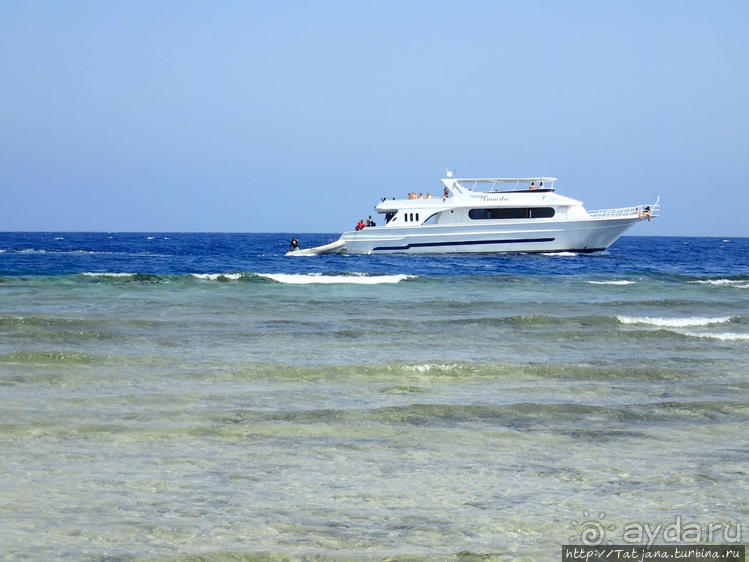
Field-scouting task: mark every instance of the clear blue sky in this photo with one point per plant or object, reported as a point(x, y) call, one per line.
point(299, 116)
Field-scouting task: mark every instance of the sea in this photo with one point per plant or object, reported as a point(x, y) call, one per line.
point(183, 396)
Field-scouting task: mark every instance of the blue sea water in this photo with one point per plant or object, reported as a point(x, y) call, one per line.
point(175, 395)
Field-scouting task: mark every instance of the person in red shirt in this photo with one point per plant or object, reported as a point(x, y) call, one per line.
point(360, 224)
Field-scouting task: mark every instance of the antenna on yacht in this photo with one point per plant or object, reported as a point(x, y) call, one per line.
point(449, 173)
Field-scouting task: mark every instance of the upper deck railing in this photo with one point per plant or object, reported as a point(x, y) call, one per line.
point(508, 184)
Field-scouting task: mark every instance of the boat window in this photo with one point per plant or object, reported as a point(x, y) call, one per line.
point(479, 214)
point(542, 212)
point(417, 217)
point(512, 213)
point(412, 216)
point(432, 219)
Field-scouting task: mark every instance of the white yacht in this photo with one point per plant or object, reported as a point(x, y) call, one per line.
point(488, 215)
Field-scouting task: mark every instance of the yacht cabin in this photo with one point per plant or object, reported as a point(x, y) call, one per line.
point(465, 200)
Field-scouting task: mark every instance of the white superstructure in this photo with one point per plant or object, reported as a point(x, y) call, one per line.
point(489, 215)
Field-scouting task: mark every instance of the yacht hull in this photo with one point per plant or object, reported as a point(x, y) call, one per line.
point(587, 235)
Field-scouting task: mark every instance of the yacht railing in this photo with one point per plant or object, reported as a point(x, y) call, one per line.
point(613, 213)
point(621, 212)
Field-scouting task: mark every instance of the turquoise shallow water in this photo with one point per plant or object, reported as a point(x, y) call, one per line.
point(166, 395)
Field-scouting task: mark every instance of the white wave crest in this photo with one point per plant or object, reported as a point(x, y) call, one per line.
point(561, 254)
point(620, 282)
point(690, 322)
point(91, 274)
point(217, 276)
point(723, 283)
point(723, 336)
point(312, 278)
point(427, 367)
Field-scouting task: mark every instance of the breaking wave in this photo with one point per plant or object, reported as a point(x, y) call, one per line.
point(249, 277)
point(218, 276)
point(678, 325)
point(91, 274)
point(735, 283)
point(320, 278)
point(688, 322)
point(619, 282)
point(722, 336)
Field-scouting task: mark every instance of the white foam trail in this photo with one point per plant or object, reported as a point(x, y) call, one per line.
point(561, 254)
point(690, 322)
point(621, 282)
point(312, 278)
point(723, 283)
point(217, 276)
